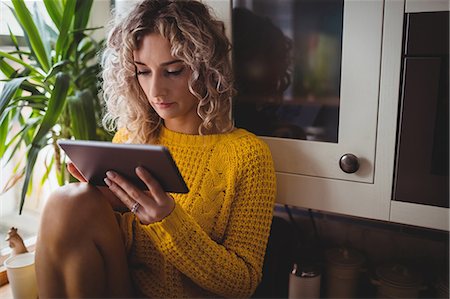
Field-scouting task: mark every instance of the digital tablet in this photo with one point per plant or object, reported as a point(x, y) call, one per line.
point(94, 158)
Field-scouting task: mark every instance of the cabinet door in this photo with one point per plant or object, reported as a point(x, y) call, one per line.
point(303, 151)
point(316, 122)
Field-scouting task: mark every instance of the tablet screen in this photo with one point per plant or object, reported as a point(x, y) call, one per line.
point(94, 158)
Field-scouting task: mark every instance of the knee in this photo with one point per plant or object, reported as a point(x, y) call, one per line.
point(70, 213)
point(73, 204)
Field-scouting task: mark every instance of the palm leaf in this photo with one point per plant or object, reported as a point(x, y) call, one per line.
point(23, 137)
point(82, 12)
point(6, 69)
point(48, 168)
point(4, 129)
point(64, 36)
point(56, 68)
point(31, 160)
point(88, 55)
point(54, 10)
point(27, 137)
point(33, 88)
point(82, 115)
point(20, 52)
point(26, 21)
point(16, 176)
point(14, 40)
point(15, 59)
point(55, 106)
point(34, 99)
point(43, 31)
point(9, 90)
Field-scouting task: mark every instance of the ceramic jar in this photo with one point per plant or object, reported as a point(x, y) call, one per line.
point(397, 281)
point(343, 269)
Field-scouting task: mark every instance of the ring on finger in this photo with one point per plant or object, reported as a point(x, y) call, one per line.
point(135, 207)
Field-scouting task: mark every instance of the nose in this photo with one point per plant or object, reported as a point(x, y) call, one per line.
point(158, 86)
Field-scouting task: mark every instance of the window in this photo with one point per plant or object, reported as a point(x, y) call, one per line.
point(28, 222)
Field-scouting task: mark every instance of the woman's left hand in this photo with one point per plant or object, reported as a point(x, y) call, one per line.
point(150, 206)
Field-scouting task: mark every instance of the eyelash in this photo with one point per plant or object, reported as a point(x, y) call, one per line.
point(173, 73)
point(142, 73)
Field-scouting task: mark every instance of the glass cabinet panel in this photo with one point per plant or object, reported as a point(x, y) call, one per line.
point(307, 76)
point(287, 64)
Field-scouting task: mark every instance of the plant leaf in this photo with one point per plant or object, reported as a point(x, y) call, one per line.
point(6, 69)
point(22, 135)
point(54, 10)
point(35, 99)
point(15, 177)
point(82, 115)
point(64, 36)
point(32, 56)
point(27, 137)
point(9, 90)
point(55, 106)
point(43, 31)
point(31, 161)
point(14, 40)
point(32, 88)
point(82, 12)
point(15, 59)
point(4, 129)
point(57, 67)
point(48, 168)
point(25, 19)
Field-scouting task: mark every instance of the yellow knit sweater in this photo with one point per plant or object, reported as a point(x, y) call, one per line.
point(214, 241)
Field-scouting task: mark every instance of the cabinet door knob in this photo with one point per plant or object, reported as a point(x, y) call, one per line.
point(349, 163)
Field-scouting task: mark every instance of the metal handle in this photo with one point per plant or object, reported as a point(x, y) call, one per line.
point(349, 163)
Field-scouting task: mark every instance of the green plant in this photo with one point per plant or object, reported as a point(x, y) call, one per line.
point(51, 87)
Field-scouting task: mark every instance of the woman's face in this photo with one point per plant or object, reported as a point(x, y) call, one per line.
point(164, 80)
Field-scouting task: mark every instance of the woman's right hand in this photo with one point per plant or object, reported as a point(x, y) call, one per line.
point(73, 170)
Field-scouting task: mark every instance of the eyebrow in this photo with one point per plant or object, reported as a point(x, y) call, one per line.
point(162, 64)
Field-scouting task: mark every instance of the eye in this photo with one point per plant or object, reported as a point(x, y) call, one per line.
point(175, 72)
point(140, 73)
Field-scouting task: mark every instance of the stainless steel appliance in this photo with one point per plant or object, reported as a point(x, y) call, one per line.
point(422, 165)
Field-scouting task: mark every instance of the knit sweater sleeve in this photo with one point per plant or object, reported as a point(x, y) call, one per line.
point(233, 266)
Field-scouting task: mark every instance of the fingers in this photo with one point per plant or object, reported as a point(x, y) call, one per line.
point(73, 170)
point(150, 206)
point(124, 190)
point(153, 186)
point(124, 198)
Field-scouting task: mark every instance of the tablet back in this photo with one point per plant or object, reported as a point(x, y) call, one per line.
point(95, 158)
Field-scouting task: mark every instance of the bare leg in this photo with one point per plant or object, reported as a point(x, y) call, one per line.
point(80, 251)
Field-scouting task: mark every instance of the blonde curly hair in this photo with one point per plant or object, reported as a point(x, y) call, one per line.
point(196, 38)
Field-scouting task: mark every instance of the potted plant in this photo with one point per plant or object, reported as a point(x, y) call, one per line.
point(51, 87)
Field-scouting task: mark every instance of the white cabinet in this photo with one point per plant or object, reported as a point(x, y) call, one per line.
point(308, 172)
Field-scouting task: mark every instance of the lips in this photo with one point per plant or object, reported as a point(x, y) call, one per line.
point(164, 105)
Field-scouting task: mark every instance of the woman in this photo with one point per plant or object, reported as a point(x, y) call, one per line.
point(167, 80)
